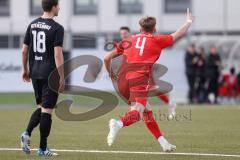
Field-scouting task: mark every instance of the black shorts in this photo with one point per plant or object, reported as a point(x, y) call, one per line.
point(43, 94)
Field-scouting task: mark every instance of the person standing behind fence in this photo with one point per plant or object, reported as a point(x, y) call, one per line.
point(233, 85)
point(191, 60)
point(200, 77)
point(213, 67)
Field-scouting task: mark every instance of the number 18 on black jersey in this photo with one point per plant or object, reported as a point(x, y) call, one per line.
point(42, 36)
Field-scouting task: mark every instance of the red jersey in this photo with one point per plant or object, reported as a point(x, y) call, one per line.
point(144, 47)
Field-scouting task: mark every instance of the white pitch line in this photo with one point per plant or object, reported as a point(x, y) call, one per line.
point(131, 152)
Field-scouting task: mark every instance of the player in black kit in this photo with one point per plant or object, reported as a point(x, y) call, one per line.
point(42, 48)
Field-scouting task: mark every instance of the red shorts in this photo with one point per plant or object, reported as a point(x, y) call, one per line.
point(134, 89)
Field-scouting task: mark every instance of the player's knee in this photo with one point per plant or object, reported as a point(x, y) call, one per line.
point(138, 107)
point(148, 108)
point(47, 110)
point(39, 105)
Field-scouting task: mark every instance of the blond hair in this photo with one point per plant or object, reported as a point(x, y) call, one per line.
point(148, 24)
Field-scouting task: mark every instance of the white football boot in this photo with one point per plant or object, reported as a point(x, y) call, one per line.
point(46, 153)
point(166, 146)
point(25, 142)
point(114, 127)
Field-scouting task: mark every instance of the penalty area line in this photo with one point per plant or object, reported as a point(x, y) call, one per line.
point(131, 152)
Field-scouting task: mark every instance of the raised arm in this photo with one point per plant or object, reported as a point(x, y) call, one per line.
point(184, 28)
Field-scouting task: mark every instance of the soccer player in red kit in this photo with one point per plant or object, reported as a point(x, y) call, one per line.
point(125, 34)
point(133, 84)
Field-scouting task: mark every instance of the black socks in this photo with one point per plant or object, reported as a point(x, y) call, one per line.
point(34, 121)
point(45, 121)
point(45, 127)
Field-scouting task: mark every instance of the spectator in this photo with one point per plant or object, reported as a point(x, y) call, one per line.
point(233, 83)
point(228, 87)
point(191, 60)
point(223, 88)
point(213, 66)
point(200, 77)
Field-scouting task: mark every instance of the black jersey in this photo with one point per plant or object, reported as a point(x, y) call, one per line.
point(42, 36)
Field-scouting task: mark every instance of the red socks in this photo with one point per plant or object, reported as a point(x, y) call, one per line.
point(151, 124)
point(131, 117)
point(164, 98)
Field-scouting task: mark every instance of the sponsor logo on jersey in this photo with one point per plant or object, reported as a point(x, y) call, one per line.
point(40, 25)
point(37, 58)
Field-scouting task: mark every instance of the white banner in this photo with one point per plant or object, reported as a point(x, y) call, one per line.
point(11, 72)
point(11, 81)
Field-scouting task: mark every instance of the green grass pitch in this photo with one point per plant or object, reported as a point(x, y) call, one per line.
point(210, 129)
